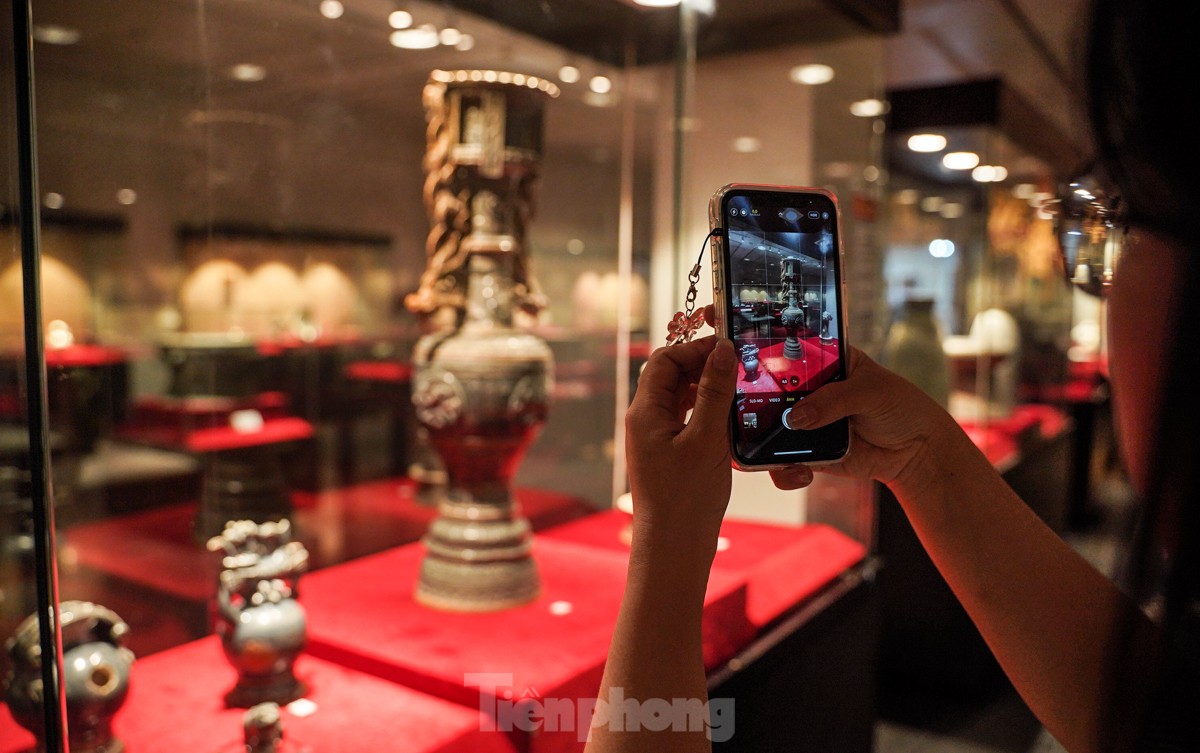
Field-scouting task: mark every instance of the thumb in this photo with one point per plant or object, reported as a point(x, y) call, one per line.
point(714, 393)
point(828, 404)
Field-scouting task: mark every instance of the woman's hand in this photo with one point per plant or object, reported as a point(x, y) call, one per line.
point(679, 473)
point(893, 425)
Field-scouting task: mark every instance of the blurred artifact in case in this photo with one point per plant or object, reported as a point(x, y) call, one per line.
point(481, 386)
point(913, 349)
point(261, 625)
point(95, 681)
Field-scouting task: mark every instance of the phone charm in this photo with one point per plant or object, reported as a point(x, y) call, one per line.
point(686, 323)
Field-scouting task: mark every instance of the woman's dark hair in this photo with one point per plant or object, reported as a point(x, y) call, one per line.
point(1141, 70)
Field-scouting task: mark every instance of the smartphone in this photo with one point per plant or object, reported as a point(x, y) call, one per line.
point(779, 289)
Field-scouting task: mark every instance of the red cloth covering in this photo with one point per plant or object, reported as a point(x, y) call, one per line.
point(782, 566)
point(155, 547)
point(175, 704)
point(202, 424)
point(1001, 439)
point(820, 362)
point(273, 431)
point(84, 355)
point(392, 372)
point(363, 615)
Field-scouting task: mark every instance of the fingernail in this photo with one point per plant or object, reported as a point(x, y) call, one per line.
point(723, 355)
point(799, 417)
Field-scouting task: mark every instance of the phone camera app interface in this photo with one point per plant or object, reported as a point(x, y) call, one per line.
point(783, 318)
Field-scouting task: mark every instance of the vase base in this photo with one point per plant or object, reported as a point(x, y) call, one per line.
point(479, 587)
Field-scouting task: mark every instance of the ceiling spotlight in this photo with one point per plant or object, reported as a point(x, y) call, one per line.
point(400, 19)
point(941, 248)
point(960, 160)
point(126, 196)
point(868, 108)
point(54, 34)
point(424, 37)
point(450, 36)
point(951, 210)
point(568, 74)
point(927, 142)
point(332, 8)
point(465, 42)
point(53, 200)
point(600, 84)
point(247, 72)
point(989, 173)
point(575, 247)
point(813, 74)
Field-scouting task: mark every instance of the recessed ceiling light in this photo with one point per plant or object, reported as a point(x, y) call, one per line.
point(568, 74)
point(53, 200)
point(989, 173)
point(600, 84)
point(450, 36)
point(55, 34)
point(465, 42)
point(927, 142)
point(812, 74)
point(960, 160)
point(575, 247)
point(657, 3)
point(400, 19)
point(941, 248)
point(126, 196)
point(908, 196)
point(746, 144)
point(247, 72)
point(423, 37)
point(868, 108)
point(332, 8)
point(951, 210)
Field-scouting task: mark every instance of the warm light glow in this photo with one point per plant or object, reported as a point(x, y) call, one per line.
point(54, 34)
point(53, 200)
point(813, 74)
point(657, 3)
point(247, 72)
point(960, 160)
point(332, 8)
point(927, 142)
point(126, 196)
point(932, 203)
point(423, 37)
point(989, 173)
point(951, 211)
point(941, 248)
point(746, 144)
point(575, 247)
point(400, 19)
point(868, 108)
point(600, 84)
point(1023, 190)
point(568, 74)
point(908, 196)
point(465, 42)
point(450, 36)
point(599, 100)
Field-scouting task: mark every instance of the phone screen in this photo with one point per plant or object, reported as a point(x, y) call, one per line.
point(785, 318)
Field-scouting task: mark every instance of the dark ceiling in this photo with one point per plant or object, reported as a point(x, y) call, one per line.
point(605, 29)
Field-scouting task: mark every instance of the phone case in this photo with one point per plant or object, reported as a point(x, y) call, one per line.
point(720, 287)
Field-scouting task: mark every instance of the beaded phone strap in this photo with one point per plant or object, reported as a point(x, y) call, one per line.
point(684, 325)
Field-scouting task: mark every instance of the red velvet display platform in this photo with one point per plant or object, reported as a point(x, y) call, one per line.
point(155, 547)
point(819, 363)
point(388, 372)
point(175, 704)
point(1002, 439)
point(83, 354)
point(202, 424)
point(363, 615)
point(782, 566)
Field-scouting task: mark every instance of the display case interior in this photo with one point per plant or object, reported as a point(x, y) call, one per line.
point(343, 303)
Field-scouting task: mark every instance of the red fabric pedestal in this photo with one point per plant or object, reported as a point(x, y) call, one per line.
point(781, 566)
point(176, 704)
point(363, 615)
point(155, 547)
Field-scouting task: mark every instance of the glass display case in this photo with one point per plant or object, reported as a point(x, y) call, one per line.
point(342, 305)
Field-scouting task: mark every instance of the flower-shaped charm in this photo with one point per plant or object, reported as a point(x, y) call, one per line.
point(683, 327)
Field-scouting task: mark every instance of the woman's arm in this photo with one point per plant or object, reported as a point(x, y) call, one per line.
point(1050, 618)
point(680, 480)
